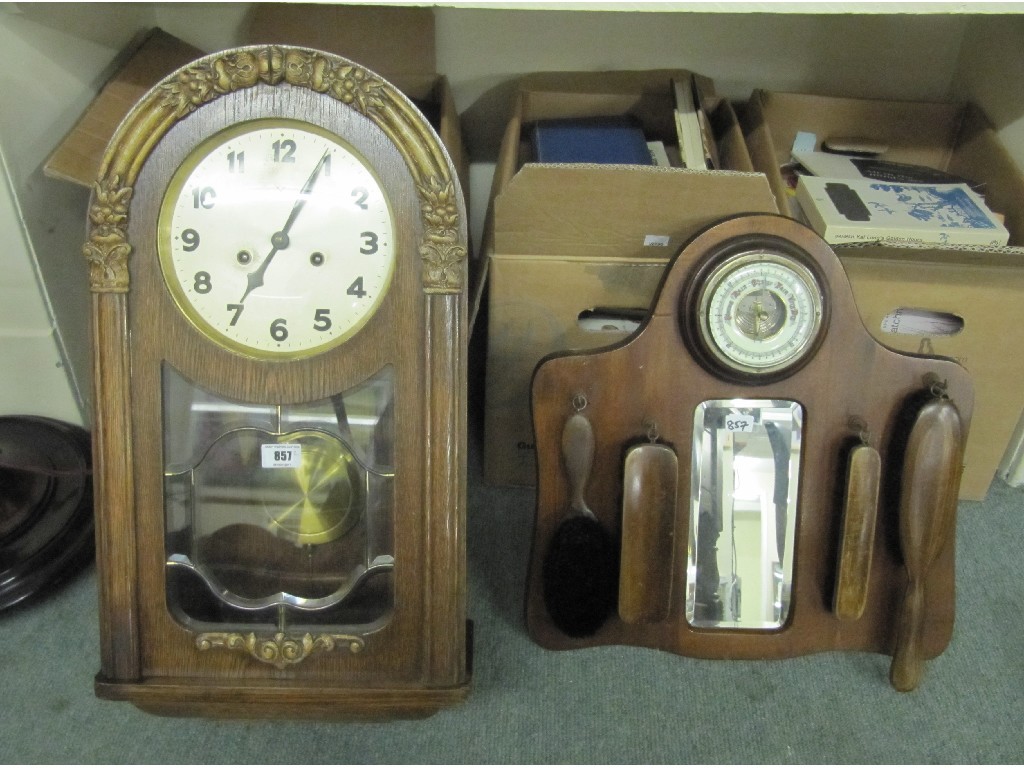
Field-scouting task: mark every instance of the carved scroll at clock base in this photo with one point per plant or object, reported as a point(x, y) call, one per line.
point(280, 650)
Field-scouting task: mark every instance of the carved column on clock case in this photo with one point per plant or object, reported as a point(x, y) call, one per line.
point(107, 252)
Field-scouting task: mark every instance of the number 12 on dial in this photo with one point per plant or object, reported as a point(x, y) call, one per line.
point(276, 239)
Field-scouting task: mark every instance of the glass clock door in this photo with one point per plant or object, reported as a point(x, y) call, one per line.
point(279, 517)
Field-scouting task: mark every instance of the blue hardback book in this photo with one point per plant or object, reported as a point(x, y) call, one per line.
point(590, 140)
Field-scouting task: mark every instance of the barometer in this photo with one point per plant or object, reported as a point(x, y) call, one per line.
point(277, 258)
point(759, 312)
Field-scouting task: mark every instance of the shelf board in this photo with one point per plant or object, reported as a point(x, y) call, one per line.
point(739, 6)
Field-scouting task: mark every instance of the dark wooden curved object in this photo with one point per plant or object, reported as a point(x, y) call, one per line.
point(655, 376)
point(928, 497)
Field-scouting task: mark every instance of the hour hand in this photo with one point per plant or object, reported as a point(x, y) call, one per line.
point(254, 279)
point(278, 242)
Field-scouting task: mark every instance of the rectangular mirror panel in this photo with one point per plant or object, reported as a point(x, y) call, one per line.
point(744, 478)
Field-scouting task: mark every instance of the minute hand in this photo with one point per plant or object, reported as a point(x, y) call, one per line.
point(279, 240)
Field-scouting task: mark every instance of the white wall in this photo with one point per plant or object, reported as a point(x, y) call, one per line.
point(59, 55)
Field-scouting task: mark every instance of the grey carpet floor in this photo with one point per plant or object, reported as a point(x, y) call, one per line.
point(606, 705)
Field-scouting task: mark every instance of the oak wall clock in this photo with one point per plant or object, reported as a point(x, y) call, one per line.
point(277, 253)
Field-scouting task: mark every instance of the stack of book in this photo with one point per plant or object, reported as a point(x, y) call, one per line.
point(696, 144)
point(621, 140)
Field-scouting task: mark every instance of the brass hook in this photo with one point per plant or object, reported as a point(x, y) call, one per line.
point(652, 430)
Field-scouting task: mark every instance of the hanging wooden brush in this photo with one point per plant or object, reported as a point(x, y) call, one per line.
point(649, 494)
point(580, 571)
point(929, 487)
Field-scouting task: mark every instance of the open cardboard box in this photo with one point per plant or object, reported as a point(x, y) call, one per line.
point(405, 56)
point(565, 240)
point(980, 290)
point(147, 60)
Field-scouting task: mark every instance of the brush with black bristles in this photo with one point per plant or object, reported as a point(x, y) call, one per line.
point(580, 573)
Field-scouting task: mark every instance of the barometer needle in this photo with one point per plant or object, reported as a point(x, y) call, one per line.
point(279, 240)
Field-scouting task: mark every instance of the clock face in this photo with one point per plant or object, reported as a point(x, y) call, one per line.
point(760, 312)
point(276, 239)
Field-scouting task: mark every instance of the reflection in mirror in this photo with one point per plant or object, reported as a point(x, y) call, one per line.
point(746, 465)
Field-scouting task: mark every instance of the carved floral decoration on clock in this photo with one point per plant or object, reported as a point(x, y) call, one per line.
point(442, 251)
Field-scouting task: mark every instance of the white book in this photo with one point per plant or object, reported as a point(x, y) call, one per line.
point(828, 164)
point(691, 146)
point(848, 167)
point(862, 210)
point(658, 154)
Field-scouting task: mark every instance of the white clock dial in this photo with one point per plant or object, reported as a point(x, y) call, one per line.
point(760, 312)
point(276, 239)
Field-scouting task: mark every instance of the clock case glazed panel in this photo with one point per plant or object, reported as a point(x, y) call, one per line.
point(417, 661)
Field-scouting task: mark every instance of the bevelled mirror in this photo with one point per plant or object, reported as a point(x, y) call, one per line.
point(744, 486)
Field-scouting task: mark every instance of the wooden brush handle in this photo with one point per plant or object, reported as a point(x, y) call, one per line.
point(907, 663)
point(578, 457)
point(928, 498)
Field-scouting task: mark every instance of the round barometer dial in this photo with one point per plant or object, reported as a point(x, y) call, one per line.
point(276, 239)
point(760, 312)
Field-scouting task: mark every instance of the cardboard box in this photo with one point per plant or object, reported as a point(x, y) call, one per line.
point(407, 61)
point(146, 62)
point(564, 240)
point(979, 289)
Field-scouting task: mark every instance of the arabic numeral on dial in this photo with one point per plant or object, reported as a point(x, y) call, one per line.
point(236, 162)
point(284, 151)
point(202, 283)
point(361, 196)
point(203, 198)
point(189, 240)
point(237, 310)
point(322, 320)
point(279, 329)
point(369, 243)
point(356, 289)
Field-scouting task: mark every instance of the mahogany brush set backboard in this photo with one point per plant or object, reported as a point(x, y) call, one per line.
point(750, 474)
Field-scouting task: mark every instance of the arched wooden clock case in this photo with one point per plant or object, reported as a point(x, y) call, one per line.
point(328, 585)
